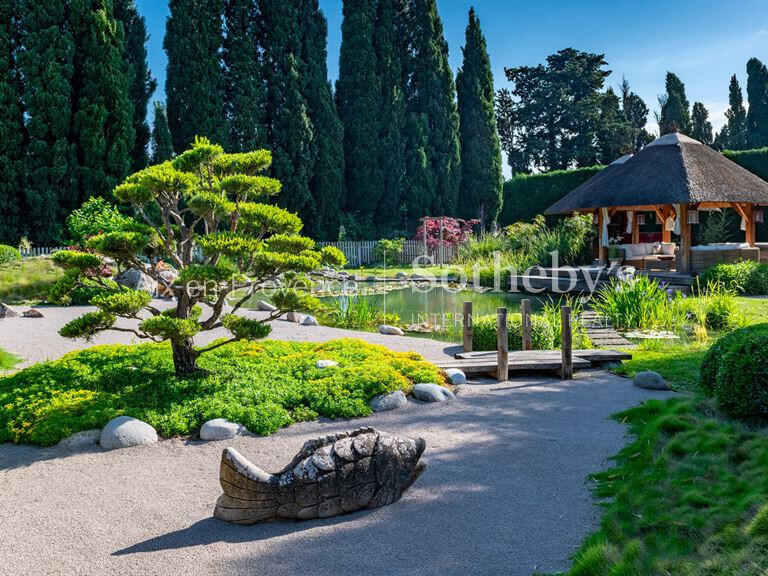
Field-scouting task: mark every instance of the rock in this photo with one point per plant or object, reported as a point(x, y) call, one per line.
point(81, 439)
point(6, 312)
point(456, 376)
point(390, 330)
point(384, 402)
point(431, 393)
point(401, 275)
point(331, 475)
point(32, 313)
point(221, 429)
point(136, 280)
point(370, 278)
point(265, 306)
point(310, 321)
point(326, 363)
point(650, 381)
point(125, 431)
point(294, 317)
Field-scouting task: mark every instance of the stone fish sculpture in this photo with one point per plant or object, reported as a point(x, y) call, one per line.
point(329, 476)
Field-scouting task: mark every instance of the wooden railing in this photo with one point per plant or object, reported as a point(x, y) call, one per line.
point(39, 251)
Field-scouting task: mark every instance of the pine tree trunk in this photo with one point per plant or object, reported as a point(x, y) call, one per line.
point(185, 358)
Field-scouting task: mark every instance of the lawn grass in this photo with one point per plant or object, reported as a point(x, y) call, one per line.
point(392, 272)
point(7, 360)
point(688, 496)
point(27, 281)
point(263, 385)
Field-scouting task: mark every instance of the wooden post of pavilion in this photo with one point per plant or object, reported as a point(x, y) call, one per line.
point(602, 251)
point(685, 241)
point(635, 228)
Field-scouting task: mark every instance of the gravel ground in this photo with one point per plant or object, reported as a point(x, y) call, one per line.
point(505, 491)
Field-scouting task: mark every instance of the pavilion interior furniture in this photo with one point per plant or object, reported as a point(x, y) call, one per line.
point(671, 176)
point(763, 250)
point(646, 255)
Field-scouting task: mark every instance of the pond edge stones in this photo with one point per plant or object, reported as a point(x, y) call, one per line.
point(221, 429)
point(125, 431)
point(430, 392)
point(384, 402)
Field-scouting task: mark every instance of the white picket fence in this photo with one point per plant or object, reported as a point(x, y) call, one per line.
point(39, 251)
point(357, 252)
point(360, 252)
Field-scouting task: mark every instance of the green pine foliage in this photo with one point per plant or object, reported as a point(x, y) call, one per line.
point(102, 129)
point(615, 135)
point(290, 128)
point(141, 84)
point(736, 128)
point(675, 114)
point(701, 127)
point(757, 97)
point(326, 184)
point(243, 93)
point(357, 95)
point(481, 177)
point(162, 144)
point(11, 127)
point(46, 64)
point(433, 160)
point(194, 79)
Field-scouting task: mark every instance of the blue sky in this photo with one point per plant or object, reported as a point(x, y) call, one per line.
point(702, 41)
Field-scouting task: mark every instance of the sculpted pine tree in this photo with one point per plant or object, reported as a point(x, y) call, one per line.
point(203, 198)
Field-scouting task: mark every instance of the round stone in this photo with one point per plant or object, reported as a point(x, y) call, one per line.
point(220, 429)
point(390, 330)
point(384, 402)
point(429, 392)
point(650, 381)
point(326, 364)
point(125, 431)
point(456, 376)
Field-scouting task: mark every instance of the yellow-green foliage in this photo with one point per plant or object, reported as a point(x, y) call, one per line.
point(485, 334)
point(264, 386)
point(686, 497)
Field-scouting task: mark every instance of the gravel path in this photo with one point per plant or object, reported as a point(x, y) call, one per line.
point(505, 491)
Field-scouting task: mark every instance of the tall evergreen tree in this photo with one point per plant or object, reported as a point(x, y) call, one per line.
point(11, 127)
point(290, 129)
point(194, 83)
point(326, 184)
point(357, 94)
point(757, 97)
point(46, 66)
point(737, 118)
point(615, 134)
point(388, 41)
point(481, 177)
point(102, 129)
point(243, 94)
point(701, 127)
point(433, 161)
point(636, 113)
point(141, 84)
point(675, 114)
point(162, 144)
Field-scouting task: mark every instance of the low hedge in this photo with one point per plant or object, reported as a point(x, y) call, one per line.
point(746, 277)
point(485, 335)
point(8, 254)
point(735, 372)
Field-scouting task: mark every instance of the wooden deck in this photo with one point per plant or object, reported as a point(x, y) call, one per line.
point(531, 360)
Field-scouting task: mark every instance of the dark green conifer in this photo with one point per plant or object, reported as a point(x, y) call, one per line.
point(757, 97)
point(701, 127)
point(675, 114)
point(736, 129)
point(162, 145)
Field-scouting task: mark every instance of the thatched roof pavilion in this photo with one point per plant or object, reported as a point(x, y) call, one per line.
point(671, 176)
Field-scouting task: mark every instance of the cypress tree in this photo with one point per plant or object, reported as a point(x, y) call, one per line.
point(432, 125)
point(327, 146)
point(737, 118)
point(11, 127)
point(675, 115)
point(481, 177)
point(290, 129)
point(757, 97)
point(101, 130)
point(162, 144)
point(46, 66)
point(701, 127)
point(194, 83)
point(243, 98)
point(388, 35)
point(141, 84)
point(357, 93)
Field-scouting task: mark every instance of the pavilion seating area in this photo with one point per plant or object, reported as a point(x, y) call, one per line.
point(648, 255)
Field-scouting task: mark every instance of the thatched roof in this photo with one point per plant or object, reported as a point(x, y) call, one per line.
point(673, 169)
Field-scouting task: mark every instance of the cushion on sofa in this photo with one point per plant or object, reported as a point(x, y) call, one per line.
point(668, 248)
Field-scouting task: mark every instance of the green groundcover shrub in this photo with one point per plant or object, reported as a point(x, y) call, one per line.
point(746, 277)
point(262, 385)
point(735, 372)
point(8, 254)
point(485, 335)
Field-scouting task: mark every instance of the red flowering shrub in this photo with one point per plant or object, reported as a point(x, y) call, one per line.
point(455, 231)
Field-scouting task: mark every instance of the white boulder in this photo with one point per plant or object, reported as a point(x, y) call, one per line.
point(326, 364)
point(294, 317)
point(221, 429)
point(125, 431)
point(390, 330)
point(310, 321)
point(384, 402)
point(265, 306)
point(429, 392)
point(456, 376)
point(136, 280)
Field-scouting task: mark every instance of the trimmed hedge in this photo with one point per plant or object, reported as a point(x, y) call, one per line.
point(527, 195)
point(745, 277)
point(485, 336)
point(735, 372)
point(8, 254)
point(756, 161)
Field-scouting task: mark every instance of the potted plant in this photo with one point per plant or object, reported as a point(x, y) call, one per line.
point(615, 256)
